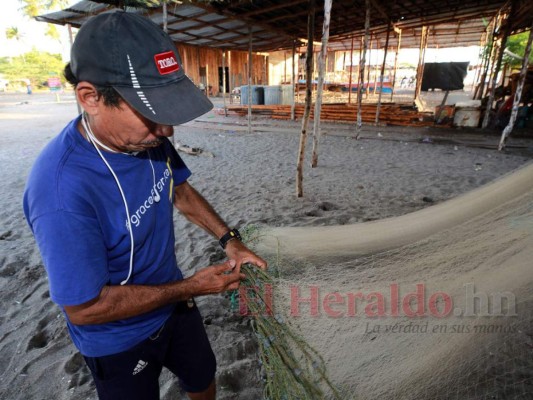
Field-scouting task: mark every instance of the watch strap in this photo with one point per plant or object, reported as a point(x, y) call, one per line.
point(230, 235)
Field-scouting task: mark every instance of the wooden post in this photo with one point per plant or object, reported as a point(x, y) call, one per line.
point(265, 71)
point(488, 56)
point(481, 61)
point(367, 91)
point(518, 95)
point(504, 74)
point(308, 89)
point(361, 45)
point(231, 81)
point(69, 28)
point(224, 81)
point(249, 79)
point(362, 71)
point(350, 77)
point(421, 54)
point(376, 69)
point(284, 67)
point(490, 66)
point(165, 15)
point(207, 77)
point(382, 72)
point(441, 107)
point(497, 67)
point(320, 83)
point(344, 62)
point(396, 62)
point(293, 81)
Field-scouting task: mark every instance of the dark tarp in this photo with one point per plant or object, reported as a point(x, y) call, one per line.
point(445, 76)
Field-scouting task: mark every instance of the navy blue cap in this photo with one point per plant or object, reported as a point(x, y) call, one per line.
point(136, 57)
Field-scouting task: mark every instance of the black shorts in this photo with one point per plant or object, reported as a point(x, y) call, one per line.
point(181, 345)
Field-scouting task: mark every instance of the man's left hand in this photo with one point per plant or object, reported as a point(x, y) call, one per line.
point(237, 250)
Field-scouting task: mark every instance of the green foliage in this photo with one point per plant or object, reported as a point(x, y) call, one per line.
point(517, 45)
point(51, 31)
point(32, 8)
point(13, 33)
point(406, 65)
point(34, 65)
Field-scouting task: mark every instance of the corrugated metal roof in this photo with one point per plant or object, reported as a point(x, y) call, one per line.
point(277, 23)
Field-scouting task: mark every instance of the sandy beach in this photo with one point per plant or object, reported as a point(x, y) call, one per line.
point(250, 180)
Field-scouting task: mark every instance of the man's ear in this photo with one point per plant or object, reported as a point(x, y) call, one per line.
point(88, 97)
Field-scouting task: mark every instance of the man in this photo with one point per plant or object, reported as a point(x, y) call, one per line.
point(99, 202)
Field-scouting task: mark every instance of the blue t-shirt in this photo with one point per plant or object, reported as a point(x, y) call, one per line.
point(74, 208)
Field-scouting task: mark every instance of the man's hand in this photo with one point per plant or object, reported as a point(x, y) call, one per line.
point(216, 278)
point(118, 302)
point(237, 250)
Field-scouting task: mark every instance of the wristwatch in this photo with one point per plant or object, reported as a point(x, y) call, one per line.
point(230, 235)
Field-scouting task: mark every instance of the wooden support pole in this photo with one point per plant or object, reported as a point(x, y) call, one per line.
point(359, 81)
point(496, 69)
point(231, 81)
point(344, 62)
point(518, 95)
point(165, 15)
point(396, 63)
point(382, 72)
point(362, 71)
point(69, 28)
point(320, 83)
point(350, 77)
point(367, 90)
point(207, 77)
point(421, 55)
point(224, 81)
point(293, 81)
point(488, 56)
point(481, 61)
point(376, 69)
point(483, 70)
point(439, 114)
point(284, 67)
point(308, 93)
point(490, 67)
point(493, 55)
point(249, 79)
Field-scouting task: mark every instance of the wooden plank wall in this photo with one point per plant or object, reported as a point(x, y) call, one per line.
point(195, 58)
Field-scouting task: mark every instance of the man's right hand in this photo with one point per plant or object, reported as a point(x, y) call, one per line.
point(216, 278)
point(118, 302)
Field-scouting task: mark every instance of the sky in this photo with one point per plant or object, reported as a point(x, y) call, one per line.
point(33, 33)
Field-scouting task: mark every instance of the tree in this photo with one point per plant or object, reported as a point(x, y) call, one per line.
point(32, 8)
point(34, 65)
point(516, 44)
point(13, 33)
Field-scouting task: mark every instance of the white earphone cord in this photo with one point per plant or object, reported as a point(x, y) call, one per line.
point(92, 139)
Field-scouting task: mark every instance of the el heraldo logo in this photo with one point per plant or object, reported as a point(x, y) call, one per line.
point(166, 62)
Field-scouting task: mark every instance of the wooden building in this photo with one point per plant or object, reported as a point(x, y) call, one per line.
point(203, 65)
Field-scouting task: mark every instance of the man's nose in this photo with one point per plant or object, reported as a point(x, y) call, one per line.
point(163, 130)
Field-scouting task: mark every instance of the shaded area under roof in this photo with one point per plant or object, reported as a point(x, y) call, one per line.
point(275, 24)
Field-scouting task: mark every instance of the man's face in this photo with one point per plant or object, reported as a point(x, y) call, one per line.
point(125, 130)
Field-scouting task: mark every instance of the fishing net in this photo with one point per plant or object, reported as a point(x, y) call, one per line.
point(435, 304)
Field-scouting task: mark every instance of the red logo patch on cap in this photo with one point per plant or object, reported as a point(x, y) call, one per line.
point(166, 63)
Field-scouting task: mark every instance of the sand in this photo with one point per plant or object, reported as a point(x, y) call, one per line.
point(250, 180)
